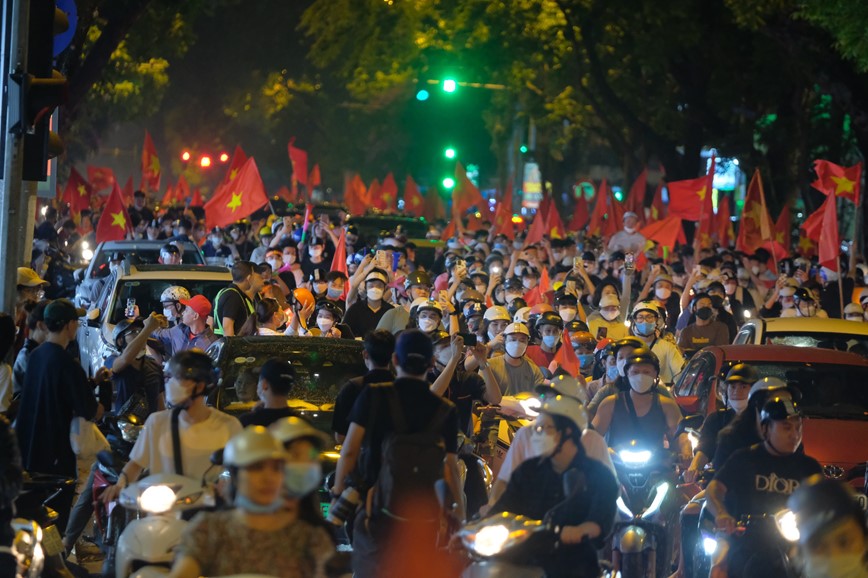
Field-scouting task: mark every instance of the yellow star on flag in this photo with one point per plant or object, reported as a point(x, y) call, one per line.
point(82, 190)
point(843, 185)
point(232, 174)
point(235, 202)
point(119, 220)
point(805, 244)
point(155, 165)
point(754, 214)
point(701, 193)
point(415, 201)
point(779, 237)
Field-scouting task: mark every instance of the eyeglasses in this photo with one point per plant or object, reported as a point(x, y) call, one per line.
point(646, 318)
point(544, 429)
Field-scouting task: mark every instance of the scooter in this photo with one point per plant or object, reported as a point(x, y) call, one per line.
point(498, 424)
point(147, 545)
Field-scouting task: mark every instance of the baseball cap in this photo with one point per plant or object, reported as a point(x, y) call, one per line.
point(377, 275)
point(199, 304)
point(280, 374)
point(27, 277)
point(630, 214)
point(609, 300)
point(61, 311)
point(413, 348)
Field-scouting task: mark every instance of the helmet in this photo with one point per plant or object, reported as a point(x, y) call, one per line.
point(424, 304)
point(377, 275)
point(777, 409)
point(513, 283)
point(820, 503)
point(513, 328)
point(439, 336)
point(517, 303)
point(760, 390)
point(473, 309)
point(541, 308)
point(564, 298)
point(577, 325)
point(304, 297)
point(174, 293)
point(742, 372)
point(254, 444)
point(472, 295)
point(662, 277)
point(417, 278)
point(522, 315)
point(497, 313)
point(607, 344)
point(265, 231)
point(122, 328)
point(289, 429)
point(569, 407)
point(642, 355)
point(162, 534)
point(804, 294)
point(583, 338)
point(646, 306)
point(550, 318)
point(630, 341)
point(331, 307)
point(565, 385)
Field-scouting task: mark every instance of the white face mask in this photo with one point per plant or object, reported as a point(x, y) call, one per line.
point(738, 404)
point(755, 270)
point(543, 444)
point(641, 382)
point(289, 258)
point(216, 241)
point(170, 313)
point(427, 325)
point(854, 317)
point(324, 324)
point(374, 294)
point(609, 315)
point(568, 313)
point(177, 393)
point(300, 479)
point(630, 230)
point(840, 566)
point(316, 251)
point(662, 293)
point(620, 363)
point(515, 349)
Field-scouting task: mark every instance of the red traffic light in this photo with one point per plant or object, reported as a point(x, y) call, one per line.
point(224, 157)
point(185, 156)
point(205, 161)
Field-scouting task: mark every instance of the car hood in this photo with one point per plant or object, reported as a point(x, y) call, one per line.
point(835, 442)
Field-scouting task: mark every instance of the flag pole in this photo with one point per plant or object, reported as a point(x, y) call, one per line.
point(840, 288)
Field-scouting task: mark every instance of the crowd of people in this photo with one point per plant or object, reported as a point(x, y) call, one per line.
point(581, 324)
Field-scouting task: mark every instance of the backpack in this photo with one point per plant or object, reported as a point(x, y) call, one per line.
point(410, 465)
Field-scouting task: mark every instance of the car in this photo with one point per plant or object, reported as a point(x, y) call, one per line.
point(414, 229)
point(806, 332)
point(144, 284)
point(136, 252)
point(834, 386)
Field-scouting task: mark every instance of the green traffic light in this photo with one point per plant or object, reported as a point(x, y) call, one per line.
point(449, 153)
point(448, 183)
point(619, 196)
point(523, 149)
point(449, 85)
point(422, 95)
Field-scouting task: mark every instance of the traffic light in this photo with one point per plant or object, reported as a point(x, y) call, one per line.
point(422, 95)
point(523, 149)
point(37, 90)
point(449, 153)
point(449, 85)
point(448, 183)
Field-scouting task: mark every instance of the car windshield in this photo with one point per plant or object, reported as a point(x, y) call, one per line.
point(322, 367)
point(839, 391)
point(142, 256)
point(147, 293)
point(370, 226)
point(838, 341)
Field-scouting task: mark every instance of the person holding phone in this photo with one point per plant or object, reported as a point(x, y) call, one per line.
point(364, 315)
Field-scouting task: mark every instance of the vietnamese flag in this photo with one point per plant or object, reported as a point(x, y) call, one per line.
point(284, 194)
point(374, 193)
point(503, 224)
point(598, 217)
point(724, 223)
point(169, 197)
point(238, 199)
point(554, 223)
point(77, 192)
point(465, 194)
point(128, 191)
point(356, 195)
point(150, 166)
point(100, 177)
point(449, 231)
point(691, 199)
point(315, 178)
point(114, 221)
point(537, 229)
point(197, 201)
point(755, 228)
point(665, 232)
point(636, 196)
point(414, 204)
point(182, 190)
point(615, 217)
point(830, 243)
point(434, 207)
point(841, 181)
point(389, 193)
point(580, 214)
point(298, 158)
point(658, 209)
point(566, 359)
point(238, 160)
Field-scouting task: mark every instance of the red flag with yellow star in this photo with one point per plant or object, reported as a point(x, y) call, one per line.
point(374, 193)
point(238, 160)
point(197, 201)
point(537, 228)
point(150, 166)
point(77, 192)
point(755, 227)
point(580, 214)
point(841, 181)
point(691, 199)
point(503, 224)
point(315, 178)
point(614, 216)
point(598, 217)
point(298, 158)
point(100, 177)
point(830, 243)
point(238, 199)
point(434, 206)
point(636, 196)
point(658, 209)
point(723, 223)
point(356, 195)
point(128, 191)
point(114, 221)
point(169, 197)
point(182, 190)
point(465, 194)
point(779, 245)
point(554, 224)
point(388, 194)
point(414, 204)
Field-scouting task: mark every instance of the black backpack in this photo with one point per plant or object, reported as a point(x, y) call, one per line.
point(410, 464)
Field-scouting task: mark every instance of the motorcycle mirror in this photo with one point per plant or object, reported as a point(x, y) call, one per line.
point(689, 422)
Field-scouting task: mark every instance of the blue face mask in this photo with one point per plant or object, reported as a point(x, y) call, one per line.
point(252, 507)
point(612, 372)
point(550, 341)
point(586, 360)
point(646, 328)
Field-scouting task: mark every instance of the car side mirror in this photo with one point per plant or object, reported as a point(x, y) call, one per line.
point(93, 317)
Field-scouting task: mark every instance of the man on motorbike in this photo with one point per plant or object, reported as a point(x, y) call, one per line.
point(514, 372)
point(621, 350)
point(756, 482)
point(536, 490)
point(648, 325)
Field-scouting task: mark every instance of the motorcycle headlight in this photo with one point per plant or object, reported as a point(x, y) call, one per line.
point(694, 439)
point(709, 546)
point(129, 431)
point(787, 526)
point(489, 540)
point(531, 406)
point(635, 458)
point(157, 499)
point(622, 507)
point(659, 495)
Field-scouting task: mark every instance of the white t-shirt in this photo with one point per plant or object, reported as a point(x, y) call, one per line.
point(153, 449)
point(521, 449)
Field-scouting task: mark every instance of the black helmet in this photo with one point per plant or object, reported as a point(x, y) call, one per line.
point(513, 283)
point(564, 298)
point(819, 503)
point(642, 355)
point(122, 328)
point(549, 318)
point(630, 341)
point(472, 295)
point(576, 326)
point(742, 372)
point(439, 336)
point(804, 294)
point(473, 309)
point(417, 278)
point(778, 409)
point(331, 307)
point(517, 303)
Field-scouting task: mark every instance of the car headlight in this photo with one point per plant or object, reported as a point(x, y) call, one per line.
point(86, 254)
point(659, 495)
point(531, 406)
point(157, 499)
point(622, 507)
point(709, 546)
point(635, 458)
point(787, 526)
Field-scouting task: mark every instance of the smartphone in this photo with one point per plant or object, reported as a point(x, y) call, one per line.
point(629, 262)
point(130, 311)
point(495, 270)
point(577, 262)
point(443, 295)
point(461, 267)
point(382, 259)
point(571, 286)
point(602, 332)
point(396, 258)
point(469, 339)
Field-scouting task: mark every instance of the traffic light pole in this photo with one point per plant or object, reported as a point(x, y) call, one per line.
point(17, 198)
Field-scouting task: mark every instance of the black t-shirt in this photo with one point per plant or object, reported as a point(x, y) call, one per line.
point(46, 232)
point(731, 441)
point(148, 380)
point(710, 430)
point(464, 389)
point(55, 390)
point(418, 404)
point(758, 482)
point(265, 416)
point(233, 303)
point(144, 214)
point(361, 319)
point(350, 393)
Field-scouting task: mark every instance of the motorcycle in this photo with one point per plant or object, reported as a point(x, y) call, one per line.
point(498, 424)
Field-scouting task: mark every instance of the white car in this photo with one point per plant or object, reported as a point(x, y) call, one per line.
point(805, 332)
point(144, 284)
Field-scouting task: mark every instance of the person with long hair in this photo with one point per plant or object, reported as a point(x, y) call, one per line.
point(267, 317)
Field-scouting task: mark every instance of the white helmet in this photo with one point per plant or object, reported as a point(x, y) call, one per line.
point(569, 407)
point(425, 303)
point(565, 385)
point(149, 541)
point(520, 328)
point(496, 313)
point(254, 444)
point(292, 428)
point(522, 315)
point(174, 293)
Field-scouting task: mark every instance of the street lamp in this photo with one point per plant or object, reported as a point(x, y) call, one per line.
point(449, 153)
point(449, 85)
point(448, 183)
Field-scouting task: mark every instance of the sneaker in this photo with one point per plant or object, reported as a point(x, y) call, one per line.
point(85, 550)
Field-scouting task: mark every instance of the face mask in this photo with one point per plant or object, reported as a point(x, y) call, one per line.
point(840, 566)
point(443, 356)
point(315, 251)
point(619, 366)
point(301, 479)
point(289, 258)
point(170, 313)
point(517, 271)
point(754, 270)
point(427, 325)
point(609, 315)
point(248, 505)
point(662, 293)
point(787, 303)
point(527, 283)
point(375, 294)
point(646, 328)
point(517, 244)
point(730, 288)
point(586, 360)
point(216, 241)
point(716, 301)
point(567, 313)
point(550, 341)
point(515, 349)
point(738, 404)
point(704, 313)
point(274, 264)
point(333, 293)
point(612, 373)
point(543, 444)
point(492, 334)
point(641, 382)
point(630, 230)
point(324, 324)
point(177, 393)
